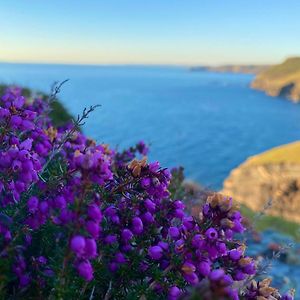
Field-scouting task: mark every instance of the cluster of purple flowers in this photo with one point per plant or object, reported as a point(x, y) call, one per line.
point(78, 218)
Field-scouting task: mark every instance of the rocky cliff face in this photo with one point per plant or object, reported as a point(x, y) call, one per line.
point(258, 181)
point(289, 90)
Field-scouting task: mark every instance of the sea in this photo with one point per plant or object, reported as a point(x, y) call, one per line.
point(207, 122)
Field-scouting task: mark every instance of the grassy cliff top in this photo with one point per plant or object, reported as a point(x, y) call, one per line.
point(289, 67)
point(289, 153)
point(280, 80)
point(286, 72)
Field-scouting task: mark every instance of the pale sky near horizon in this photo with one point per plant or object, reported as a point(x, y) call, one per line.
point(188, 32)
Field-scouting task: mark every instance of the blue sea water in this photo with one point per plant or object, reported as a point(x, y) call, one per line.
point(207, 122)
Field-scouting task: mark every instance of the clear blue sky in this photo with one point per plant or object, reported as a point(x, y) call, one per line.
point(155, 32)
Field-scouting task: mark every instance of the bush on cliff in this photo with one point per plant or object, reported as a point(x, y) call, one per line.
point(81, 220)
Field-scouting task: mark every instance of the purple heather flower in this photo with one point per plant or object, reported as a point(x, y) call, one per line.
point(191, 278)
point(179, 213)
point(211, 233)
point(15, 121)
point(227, 280)
point(60, 202)
point(93, 229)
point(110, 239)
point(222, 248)
point(216, 275)
point(137, 225)
point(126, 248)
point(250, 268)
point(32, 204)
point(154, 167)
point(110, 211)
point(120, 258)
point(126, 235)
point(155, 252)
point(4, 112)
point(287, 297)
point(163, 245)
point(148, 217)
point(115, 219)
point(234, 294)
point(94, 212)
point(197, 241)
point(28, 239)
point(238, 227)
point(48, 272)
point(174, 232)
point(239, 275)
point(145, 182)
point(16, 165)
point(204, 268)
point(42, 260)
point(44, 207)
point(188, 222)
point(235, 254)
point(24, 280)
point(90, 249)
point(188, 268)
point(179, 246)
point(142, 148)
point(78, 244)
point(65, 216)
point(85, 270)
point(151, 206)
point(174, 293)
point(164, 264)
point(26, 145)
point(228, 234)
point(27, 166)
point(178, 204)
point(18, 102)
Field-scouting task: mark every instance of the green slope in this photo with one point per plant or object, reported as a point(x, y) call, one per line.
point(281, 80)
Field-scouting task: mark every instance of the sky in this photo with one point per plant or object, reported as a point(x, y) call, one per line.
point(180, 32)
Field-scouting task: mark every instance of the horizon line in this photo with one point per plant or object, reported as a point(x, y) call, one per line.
point(132, 64)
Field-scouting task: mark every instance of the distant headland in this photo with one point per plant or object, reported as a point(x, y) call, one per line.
point(281, 80)
point(245, 69)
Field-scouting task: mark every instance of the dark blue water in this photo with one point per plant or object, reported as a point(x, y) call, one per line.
point(207, 122)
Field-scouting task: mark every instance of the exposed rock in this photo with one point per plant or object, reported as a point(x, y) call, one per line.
point(273, 176)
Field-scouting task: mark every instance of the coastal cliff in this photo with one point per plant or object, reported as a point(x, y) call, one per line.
point(274, 177)
point(280, 80)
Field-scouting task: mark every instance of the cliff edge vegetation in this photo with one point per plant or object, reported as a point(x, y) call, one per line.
point(269, 181)
point(281, 80)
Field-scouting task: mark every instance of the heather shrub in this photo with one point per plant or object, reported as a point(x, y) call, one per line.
point(82, 221)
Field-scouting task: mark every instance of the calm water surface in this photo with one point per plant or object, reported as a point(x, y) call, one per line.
point(207, 122)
